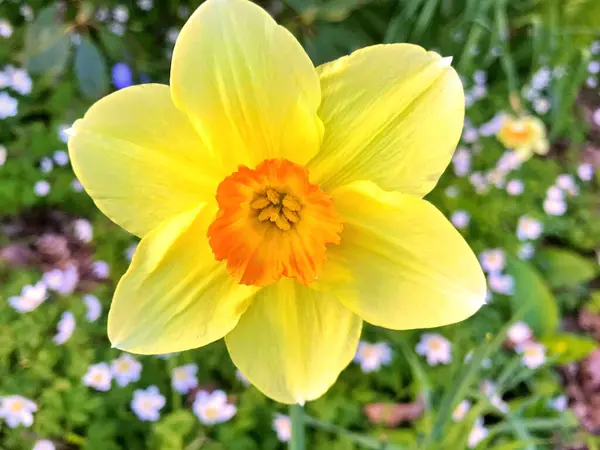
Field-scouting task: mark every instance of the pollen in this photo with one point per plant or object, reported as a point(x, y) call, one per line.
point(272, 223)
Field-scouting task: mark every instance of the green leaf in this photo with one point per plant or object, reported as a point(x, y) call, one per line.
point(90, 69)
point(47, 44)
point(171, 431)
point(565, 268)
point(531, 292)
point(568, 347)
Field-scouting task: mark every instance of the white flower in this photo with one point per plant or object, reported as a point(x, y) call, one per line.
point(98, 376)
point(63, 133)
point(65, 328)
point(17, 410)
point(44, 444)
point(172, 34)
point(121, 13)
point(145, 5)
point(594, 67)
point(83, 230)
point(585, 171)
point(8, 106)
point(488, 389)
point(213, 408)
point(526, 251)
point(534, 354)
point(146, 404)
point(461, 161)
point(591, 82)
point(243, 379)
point(515, 187)
point(480, 77)
point(41, 188)
point(20, 81)
point(371, 357)
point(470, 135)
point(528, 228)
point(492, 260)
point(183, 378)
point(26, 11)
point(500, 283)
point(125, 369)
point(559, 403)
point(519, 333)
point(479, 182)
point(541, 78)
point(94, 307)
point(61, 157)
point(492, 126)
point(283, 427)
point(3, 153)
point(102, 13)
point(509, 161)
point(478, 433)
point(117, 28)
point(6, 29)
point(460, 219)
point(461, 410)
point(129, 251)
point(596, 117)
point(46, 165)
point(64, 281)
point(436, 349)
point(555, 207)
point(31, 297)
point(101, 269)
point(541, 105)
point(76, 185)
point(566, 182)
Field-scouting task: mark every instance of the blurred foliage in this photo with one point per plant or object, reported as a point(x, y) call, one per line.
point(69, 47)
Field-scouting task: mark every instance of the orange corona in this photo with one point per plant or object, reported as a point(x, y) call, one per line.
point(273, 222)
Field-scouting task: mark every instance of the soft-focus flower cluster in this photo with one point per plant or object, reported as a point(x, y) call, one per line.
point(521, 338)
point(371, 357)
point(435, 348)
point(493, 262)
point(213, 408)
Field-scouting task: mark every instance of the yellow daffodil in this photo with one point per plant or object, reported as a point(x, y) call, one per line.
point(279, 205)
point(526, 135)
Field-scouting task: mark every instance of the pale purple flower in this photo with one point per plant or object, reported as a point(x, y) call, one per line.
point(41, 188)
point(98, 376)
point(283, 427)
point(477, 434)
point(30, 298)
point(125, 369)
point(17, 410)
point(435, 348)
point(63, 282)
point(461, 161)
point(44, 444)
point(46, 165)
point(371, 357)
point(147, 403)
point(460, 219)
point(184, 379)
point(65, 328)
point(501, 283)
point(93, 307)
point(213, 408)
point(526, 251)
point(515, 187)
point(528, 228)
point(60, 157)
point(9, 106)
point(585, 171)
point(101, 269)
point(555, 207)
point(492, 260)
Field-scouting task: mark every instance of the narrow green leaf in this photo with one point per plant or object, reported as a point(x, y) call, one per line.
point(567, 347)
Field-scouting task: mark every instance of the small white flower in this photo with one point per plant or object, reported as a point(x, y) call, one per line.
point(3, 154)
point(478, 433)
point(283, 427)
point(567, 183)
point(470, 135)
point(541, 105)
point(183, 378)
point(492, 126)
point(145, 5)
point(64, 282)
point(591, 81)
point(121, 13)
point(596, 117)
point(44, 444)
point(242, 378)
point(541, 78)
point(515, 187)
point(20, 81)
point(65, 328)
point(492, 260)
point(559, 403)
point(371, 357)
point(26, 11)
point(461, 161)
point(501, 283)
point(101, 269)
point(555, 193)
point(8, 106)
point(102, 14)
point(594, 67)
point(6, 29)
point(94, 307)
point(46, 165)
point(130, 251)
point(98, 376)
point(461, 410)
point(63, 133)
point(31, 297)
point(509, 161)
point(585, 171)
point(488, 389)
point(117, 28)
point(76, 185)
point(211, 409)
point(452, 191)
point(172, 35)
point(83, 230)
point(460, 219)
point(61, 157)
point(41, 188)
point(555, 207)
point(528, 228)
point(534, 354)
point(526, 251)
point(146, 404)
point(435, 348)
point(519, 333)
point(125, 369)
point(17, 410)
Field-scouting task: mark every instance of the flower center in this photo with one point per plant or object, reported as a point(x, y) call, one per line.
point(273, 222)
point(17, 406)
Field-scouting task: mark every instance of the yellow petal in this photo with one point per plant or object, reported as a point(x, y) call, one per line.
point(293, 342)
point(140, 159)
point(247, 85)
point(175, 296)
point(401, 264)
point(393, 114)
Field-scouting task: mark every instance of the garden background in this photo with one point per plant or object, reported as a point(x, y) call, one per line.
point(484, 383)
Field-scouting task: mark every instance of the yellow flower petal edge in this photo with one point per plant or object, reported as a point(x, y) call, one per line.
point(393, 115)
point(140, 159)
point(293, 341)
point(175, 296)
point(401, 264)
point(247, 85)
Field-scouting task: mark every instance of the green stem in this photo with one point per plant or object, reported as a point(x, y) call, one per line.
point(297, 441)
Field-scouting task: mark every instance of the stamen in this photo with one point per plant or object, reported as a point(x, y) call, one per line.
point(273, 196)
point(260, 203)
point(290, 215)
point(291, 203)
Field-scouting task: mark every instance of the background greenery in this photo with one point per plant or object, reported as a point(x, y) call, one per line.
point(69, 47)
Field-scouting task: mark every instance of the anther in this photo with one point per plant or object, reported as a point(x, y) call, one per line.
point(260, 203)
point(273, 196)
point(291, 203)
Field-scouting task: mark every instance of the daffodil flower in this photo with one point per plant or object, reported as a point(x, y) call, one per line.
point(279, 205)
point(526, 135)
